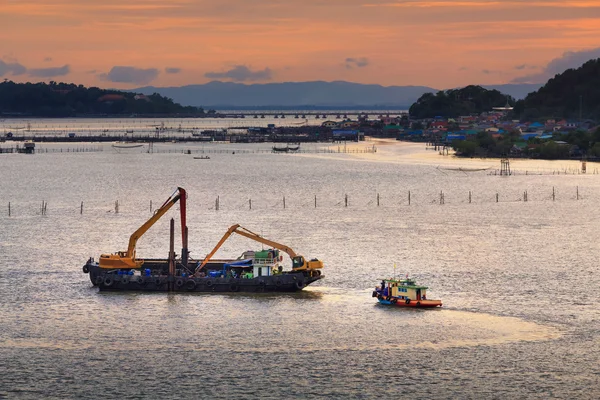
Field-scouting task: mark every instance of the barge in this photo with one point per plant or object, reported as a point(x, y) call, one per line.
point(253, 271)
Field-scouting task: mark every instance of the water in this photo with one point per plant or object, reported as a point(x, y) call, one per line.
point(171, 126)
point(519, 280)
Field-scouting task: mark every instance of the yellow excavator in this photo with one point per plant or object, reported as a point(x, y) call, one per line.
point(126, 259)
point(298, 261)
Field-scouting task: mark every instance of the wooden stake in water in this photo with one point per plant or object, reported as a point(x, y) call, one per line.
point(81, 209)
point(315, 201)
point(377, 199)
point(284, 202)
point(577, 192)
point(409, 197)
point(469, 197)
point(250, 203)
point(553, 194)
point(150, 206)
point(496, 197)
point(346, 200)
point(9, 208)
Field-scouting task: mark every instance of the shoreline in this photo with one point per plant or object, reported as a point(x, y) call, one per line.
point(415, 153)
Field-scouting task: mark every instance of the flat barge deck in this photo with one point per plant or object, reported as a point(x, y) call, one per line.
point(158, 280)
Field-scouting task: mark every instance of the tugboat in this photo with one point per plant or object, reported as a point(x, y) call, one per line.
point(254, 271)
point(404, 293)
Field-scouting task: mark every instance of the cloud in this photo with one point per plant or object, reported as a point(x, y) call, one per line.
point(569, 59)
point(49, 72)
point(13, 68)
point(172, 70)
point(127, 74)
point(359, 62)
point(47, 59)
point(241, 73)
point(463, 69)
point(525, 66)
point(486, 71)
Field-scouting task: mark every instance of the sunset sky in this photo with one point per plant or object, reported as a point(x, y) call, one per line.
point(442, 44)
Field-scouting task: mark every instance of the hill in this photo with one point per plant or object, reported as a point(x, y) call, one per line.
point(317, 94)
point(70, 100)
point(456, 102)
point(562, 96)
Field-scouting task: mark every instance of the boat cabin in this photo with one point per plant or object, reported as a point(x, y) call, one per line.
point(265, 262)
point(252, 264)
point(403, 289)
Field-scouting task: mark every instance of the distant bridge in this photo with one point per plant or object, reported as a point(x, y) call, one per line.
point(311, 114)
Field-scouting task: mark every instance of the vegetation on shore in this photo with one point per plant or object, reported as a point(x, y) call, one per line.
point(577, 143)
point(70, 100)
point(456, 102)
point(573, 94)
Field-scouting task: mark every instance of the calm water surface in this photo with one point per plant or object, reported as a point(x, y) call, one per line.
point(519, 280)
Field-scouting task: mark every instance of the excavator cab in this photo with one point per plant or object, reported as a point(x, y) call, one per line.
point(300, 264)
point(121, 260)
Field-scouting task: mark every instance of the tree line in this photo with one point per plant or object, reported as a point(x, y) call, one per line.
point(71, 100)
point(577, 143)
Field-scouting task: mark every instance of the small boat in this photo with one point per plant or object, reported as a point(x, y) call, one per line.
point(202, 158)
point(462, 169)
point(126, 145)
point(281, 149)
point(286, 149)
point(404, 293)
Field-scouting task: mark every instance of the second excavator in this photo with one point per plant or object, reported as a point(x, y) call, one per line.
point(299, 263)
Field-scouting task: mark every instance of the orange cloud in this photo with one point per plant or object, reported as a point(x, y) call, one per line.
point(405, 42)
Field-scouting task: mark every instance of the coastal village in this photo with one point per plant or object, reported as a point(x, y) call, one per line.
point(444, 131)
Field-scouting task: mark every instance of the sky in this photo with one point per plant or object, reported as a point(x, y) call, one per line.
point(438, 43)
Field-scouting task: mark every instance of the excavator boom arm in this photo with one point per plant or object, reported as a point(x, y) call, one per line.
point(249, 234)
point(179, 194)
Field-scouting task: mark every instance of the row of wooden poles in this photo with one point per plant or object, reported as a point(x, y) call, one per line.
point(442, 200)
point(569, 171)
point(69, 150)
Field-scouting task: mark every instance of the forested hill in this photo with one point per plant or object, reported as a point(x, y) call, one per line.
point(69, 100)
point(456, 102)
point(563, 95)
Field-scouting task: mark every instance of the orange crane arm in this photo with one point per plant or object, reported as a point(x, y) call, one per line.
point(179, 194)
point(249, 234)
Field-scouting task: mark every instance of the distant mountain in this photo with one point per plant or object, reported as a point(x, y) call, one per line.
point(317, 94)
point(222, 95)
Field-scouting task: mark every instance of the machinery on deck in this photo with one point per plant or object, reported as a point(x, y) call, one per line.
point(126, 259)
point(299, 263)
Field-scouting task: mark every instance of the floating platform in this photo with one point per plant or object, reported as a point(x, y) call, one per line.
point(158, 279)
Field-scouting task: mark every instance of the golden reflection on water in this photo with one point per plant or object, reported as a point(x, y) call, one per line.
point(405, 328)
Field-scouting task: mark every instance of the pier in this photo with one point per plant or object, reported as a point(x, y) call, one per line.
point(309, 114)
